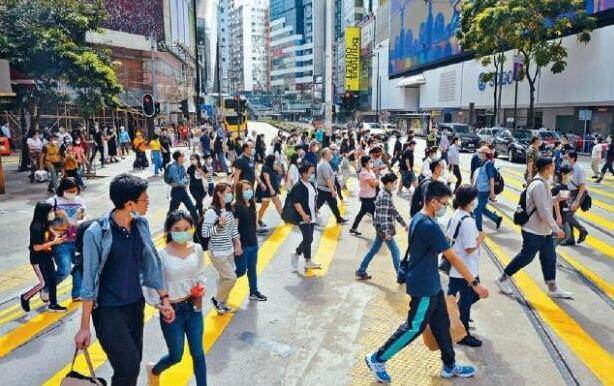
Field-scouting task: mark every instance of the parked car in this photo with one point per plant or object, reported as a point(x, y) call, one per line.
point(513, 144)
point(489, 134)
point(373, 127)
point(390, 129)
point(547, 136)
point(469, 141)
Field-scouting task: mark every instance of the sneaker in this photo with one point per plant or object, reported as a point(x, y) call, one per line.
point(377, 368)
point(310, 264)
point(342, 221)
point(294, 260)
point(152, 379)
point(262, 231)
point(582, 237)
point(568, 243)
point(219, 307)
point(470, 341)
point(226, 308)
point(56, 308)
point(256, 295)
point(594, 177)
point(560, 294)
point(499, 221)
point(458, 371)
point(504, 285)
point(362, 275)
point(355, 232)
point(261, 224)
point(44, 295)
point(77, 299)
point(25, 303)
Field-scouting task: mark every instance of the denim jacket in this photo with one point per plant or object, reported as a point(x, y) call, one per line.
point(178, 176)
point(97, 242)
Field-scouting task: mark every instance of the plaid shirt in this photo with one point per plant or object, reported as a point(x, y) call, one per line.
point(386, 214)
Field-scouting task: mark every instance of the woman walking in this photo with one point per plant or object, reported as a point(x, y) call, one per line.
point(269, 191)
point(183, 270)
point(368, 184)
point(198, 179)
point(224, 243)
point(42, 239)
point(245, 213)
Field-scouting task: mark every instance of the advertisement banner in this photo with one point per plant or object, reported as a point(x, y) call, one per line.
point(352, 58)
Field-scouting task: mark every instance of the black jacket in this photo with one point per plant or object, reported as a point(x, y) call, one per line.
point(300, 195)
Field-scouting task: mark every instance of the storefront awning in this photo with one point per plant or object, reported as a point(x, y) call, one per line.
point(412, 81)
point(5, 79)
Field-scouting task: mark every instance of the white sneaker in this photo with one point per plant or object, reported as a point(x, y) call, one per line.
point(152, 379)
point(294, 260)
point(560, 294)
point(504, 285)
point(310, 264)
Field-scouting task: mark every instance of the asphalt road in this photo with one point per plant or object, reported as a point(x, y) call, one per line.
point(317, 326)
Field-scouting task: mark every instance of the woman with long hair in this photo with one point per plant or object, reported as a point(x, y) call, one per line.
point(245, 213)
point(221, 231)
point(198, 179)
point(183, 270)
point(367, 193)
point(292, 177)
point(270, 191)
point(42, 239)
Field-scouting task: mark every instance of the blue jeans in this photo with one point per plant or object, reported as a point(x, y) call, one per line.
point(188, 323)
point(377, 245)
point(156, 160)
point(64, 257)
point(222, 158)
point(482, 208)
point(247, 262)
point(531, 245)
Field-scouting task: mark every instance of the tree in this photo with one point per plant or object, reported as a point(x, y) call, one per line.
point(45, 41)
point(534, 28)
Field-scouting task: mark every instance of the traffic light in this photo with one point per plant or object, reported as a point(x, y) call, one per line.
point(149, 108)
point(184, 107)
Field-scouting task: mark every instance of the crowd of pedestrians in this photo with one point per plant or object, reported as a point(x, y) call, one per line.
point(117, 269)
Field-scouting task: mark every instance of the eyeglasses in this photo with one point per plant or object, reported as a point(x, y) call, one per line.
point(443, 203)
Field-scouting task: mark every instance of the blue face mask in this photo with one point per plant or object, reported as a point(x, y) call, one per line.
point(181, 237)
point(312, 178)
point(248, 194)
point(228, 198)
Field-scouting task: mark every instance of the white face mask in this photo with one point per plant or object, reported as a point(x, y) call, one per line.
point(51, 216)
point(194, 162)
point(70, 196)
point(441, 212)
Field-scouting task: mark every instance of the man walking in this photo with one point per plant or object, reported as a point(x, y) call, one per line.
point(485, 183)
point(537, 233)
point(427, 304)
point(119, 257)
point(533, 155)
point(179, 180)
point(577, 190)
point(327, 192)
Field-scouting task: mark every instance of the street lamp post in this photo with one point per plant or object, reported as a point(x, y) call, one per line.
point(197, 97)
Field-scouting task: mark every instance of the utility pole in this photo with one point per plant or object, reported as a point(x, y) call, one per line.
point(328, 69)
point(151, 127)
point(196, 56)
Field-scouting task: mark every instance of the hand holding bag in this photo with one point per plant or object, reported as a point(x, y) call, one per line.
point(73, 378)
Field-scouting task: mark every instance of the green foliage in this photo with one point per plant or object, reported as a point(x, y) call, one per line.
point(534, 28)
point(45, 40)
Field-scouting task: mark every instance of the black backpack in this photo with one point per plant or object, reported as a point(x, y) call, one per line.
point(78, 262)
point(417, 200)
point(521, 216)
point(499, 182)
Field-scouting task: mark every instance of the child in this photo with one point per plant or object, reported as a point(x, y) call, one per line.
point(42, 239)
point(560, 195)
point(208, 169)
point(466, 240)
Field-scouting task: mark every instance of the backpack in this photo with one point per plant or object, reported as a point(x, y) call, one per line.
point(417, 200)
point(521, 216)
point(587, 200)
point(167, 175)
point(404, 264)
point(499, 182)
point(78, 262)
point(445, 265)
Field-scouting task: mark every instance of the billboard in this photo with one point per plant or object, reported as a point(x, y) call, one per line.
point(423, 32)
point(140, 17)
point(352, 58)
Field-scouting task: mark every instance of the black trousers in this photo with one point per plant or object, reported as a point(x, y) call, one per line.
point(180, 195)
point(338, 187)
point(120, 332)
point(459, 179)
point(324, 196)
point(304, 248)
point(367, 205)
point(99, 149)
point(429, 310)
point(467, 298)
point(607, 166)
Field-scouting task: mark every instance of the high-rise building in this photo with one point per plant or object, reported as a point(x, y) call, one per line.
point(223, 60)
point(296, 55)
point(249, 61)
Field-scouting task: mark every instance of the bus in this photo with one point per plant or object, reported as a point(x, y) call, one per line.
point(234, 115)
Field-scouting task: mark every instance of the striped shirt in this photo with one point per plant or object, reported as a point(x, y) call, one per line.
point(221, 236)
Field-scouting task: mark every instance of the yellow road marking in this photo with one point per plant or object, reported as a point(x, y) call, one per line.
point(596, 279)
point(592, 354)
point(181, 373)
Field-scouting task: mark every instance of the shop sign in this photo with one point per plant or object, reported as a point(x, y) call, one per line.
point(352, 58)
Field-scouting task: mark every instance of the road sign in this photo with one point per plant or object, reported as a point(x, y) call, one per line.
point(585, 115)
point(206, 109)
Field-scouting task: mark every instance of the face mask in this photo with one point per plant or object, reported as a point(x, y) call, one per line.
point(228, 198)
point(248, 194)
point(299, 160)
point(135, 214)
point(53, 141)
point(312, 178)
point(181, 237)
point(78, 142)
point(440, 212)
point(51, 216)
point(70, 196)
point(194, 162)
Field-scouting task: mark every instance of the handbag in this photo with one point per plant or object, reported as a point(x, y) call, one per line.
point(457, 330)
point(289, 213)
point(402, 272)
point(74, 378)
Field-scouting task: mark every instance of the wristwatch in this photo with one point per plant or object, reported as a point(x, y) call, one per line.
point(474, 283)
